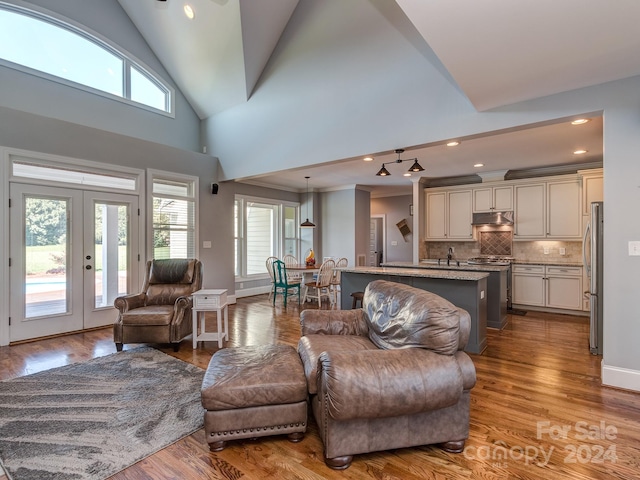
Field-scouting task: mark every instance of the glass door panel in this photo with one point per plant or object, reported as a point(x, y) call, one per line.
point(111, 247)
point(46, 234)
point(44, 265)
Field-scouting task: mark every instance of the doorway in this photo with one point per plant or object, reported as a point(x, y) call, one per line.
point(376, 240)
point(72, 253)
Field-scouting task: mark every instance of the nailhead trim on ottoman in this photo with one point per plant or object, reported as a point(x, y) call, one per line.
point(254, 391)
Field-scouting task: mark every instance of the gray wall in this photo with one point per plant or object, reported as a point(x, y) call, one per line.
point(362, 223)
point(345, 223)
point(339, 224)
point(395, 209)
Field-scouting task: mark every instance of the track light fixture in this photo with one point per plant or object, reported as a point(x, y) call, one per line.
point(416, 167)
point(307, 223)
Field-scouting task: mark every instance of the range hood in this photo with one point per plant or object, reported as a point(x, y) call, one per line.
point(493, 218)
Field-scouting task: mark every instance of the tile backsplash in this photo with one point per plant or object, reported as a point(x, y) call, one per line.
point(496, 243)
point(524, 251)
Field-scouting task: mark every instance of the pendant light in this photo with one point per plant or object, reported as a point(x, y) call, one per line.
point(416, 167)
point(307, 223)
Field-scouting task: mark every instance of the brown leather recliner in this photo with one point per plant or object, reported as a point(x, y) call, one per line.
point(161, 313)
point(390, 375)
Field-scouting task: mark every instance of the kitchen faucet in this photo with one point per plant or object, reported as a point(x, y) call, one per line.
point(449, 255)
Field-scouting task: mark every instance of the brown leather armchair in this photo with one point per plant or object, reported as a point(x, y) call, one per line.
point(161, 313)
point(390, 375)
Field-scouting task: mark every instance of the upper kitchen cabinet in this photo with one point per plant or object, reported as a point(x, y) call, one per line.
point(530, 211)
point(548, 210)
point(436, 221)
point(448, 215)
point(592, 190)
point(493, 199)
point(564, 219)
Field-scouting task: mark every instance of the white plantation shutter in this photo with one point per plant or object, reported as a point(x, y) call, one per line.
point(174, 218)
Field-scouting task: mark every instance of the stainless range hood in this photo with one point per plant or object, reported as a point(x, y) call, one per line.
point(493, 218)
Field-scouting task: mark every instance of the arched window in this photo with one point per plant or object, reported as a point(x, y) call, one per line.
point(55, 49)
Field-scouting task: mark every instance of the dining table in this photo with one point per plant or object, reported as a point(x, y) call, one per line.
point(307, 271)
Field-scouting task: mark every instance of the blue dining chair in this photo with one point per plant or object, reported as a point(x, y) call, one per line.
point(283, 284)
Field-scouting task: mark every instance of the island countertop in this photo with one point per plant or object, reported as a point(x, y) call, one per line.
point(419, 272)
point(453, 266)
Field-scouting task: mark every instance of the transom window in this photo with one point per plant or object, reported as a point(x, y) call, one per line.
point(49, 47)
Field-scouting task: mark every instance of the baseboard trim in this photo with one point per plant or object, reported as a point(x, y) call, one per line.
point(620, 377)
point(578, 313)
point(249, 292)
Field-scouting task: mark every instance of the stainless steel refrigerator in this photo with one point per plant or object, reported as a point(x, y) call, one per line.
point(592, 257)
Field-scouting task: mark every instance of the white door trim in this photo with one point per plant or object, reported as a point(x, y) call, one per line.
point(6, 156)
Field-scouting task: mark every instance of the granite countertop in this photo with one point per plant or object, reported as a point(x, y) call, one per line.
point(453, 266)
point(420, 272)
point(553, 263)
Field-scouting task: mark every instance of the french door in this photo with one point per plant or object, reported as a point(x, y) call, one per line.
point(72, 253)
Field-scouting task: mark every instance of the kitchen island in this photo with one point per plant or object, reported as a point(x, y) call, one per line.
point(464, 289)
point(496, 285)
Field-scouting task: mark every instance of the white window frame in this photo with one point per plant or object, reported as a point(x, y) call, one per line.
point(66, 163)
point(278, 233)
point(128, 59)
point(172, 177)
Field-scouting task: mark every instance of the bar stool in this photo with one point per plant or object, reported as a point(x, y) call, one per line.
point(357, 297)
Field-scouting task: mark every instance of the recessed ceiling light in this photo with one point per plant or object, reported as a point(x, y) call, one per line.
point(478, 165)
point(453, 144)
point(580, 152)
point(407, 174)
point(368, 159)
point(580, 121)
point(189, 12)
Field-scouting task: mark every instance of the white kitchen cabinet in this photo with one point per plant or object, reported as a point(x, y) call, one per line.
point(548, 210)
point(548, 286)
point(527, 283)
point(460, 215)
point(592, 189)
point(448, 215)
point(530, 211)
point(436, 221)
point(564, 287)
point(493, 199)
point(564, 217)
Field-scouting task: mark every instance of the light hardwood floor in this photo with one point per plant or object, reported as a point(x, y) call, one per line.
point(538, 410)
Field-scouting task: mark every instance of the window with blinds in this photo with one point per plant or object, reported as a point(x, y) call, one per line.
point(174, 217)
point(263, 228)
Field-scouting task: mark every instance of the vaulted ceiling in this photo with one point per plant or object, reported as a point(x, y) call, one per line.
point(498, 52)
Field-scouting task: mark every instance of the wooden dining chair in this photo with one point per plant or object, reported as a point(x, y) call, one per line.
point(291, 261)
point(269, 265)
point(321, 286)
point(335, 279)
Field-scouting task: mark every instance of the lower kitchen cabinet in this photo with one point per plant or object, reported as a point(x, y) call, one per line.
point(548, 286)
point(528, 285)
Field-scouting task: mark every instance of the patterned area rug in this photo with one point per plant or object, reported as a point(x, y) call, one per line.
point(90, 420)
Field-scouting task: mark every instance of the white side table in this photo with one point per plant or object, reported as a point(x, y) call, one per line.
point(210, 300)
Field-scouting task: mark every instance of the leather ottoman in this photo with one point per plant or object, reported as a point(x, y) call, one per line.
point(254, 391)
